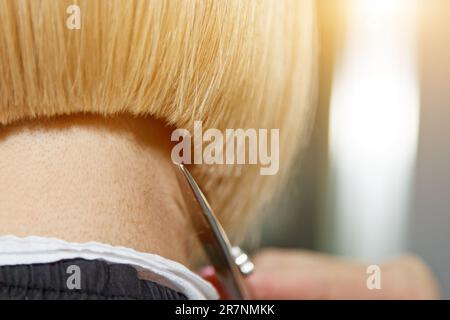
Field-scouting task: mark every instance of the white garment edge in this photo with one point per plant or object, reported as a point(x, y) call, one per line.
point(32, 249)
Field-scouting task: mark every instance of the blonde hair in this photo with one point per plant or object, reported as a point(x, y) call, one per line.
point(230, 64)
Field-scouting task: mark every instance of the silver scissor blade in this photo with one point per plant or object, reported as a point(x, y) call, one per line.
point(212, 237)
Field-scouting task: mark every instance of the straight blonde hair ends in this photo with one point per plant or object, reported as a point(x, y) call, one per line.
point(227, 63)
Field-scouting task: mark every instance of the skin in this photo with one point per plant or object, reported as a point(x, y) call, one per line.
point(111, 180)
point(298, 274)
point(87, 178)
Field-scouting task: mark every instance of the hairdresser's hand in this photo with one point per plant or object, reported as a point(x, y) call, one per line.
point(290, 274)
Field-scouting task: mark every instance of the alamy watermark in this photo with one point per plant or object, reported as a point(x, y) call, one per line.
point(73, 282)
point(374, 279)
point(231, 146)
point(73, 21)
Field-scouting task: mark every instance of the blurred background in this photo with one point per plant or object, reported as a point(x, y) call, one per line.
point(374, 180)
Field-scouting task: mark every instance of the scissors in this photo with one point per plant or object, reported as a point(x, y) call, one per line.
point(231, 264)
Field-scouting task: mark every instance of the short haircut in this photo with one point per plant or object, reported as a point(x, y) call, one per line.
point(228, 63)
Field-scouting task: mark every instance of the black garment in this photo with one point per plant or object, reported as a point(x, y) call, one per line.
point(97, 280)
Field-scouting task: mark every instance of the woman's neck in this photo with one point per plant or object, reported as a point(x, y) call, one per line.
point(93, 179)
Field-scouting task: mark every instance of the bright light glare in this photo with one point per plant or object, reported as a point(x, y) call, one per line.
point(374, 127)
